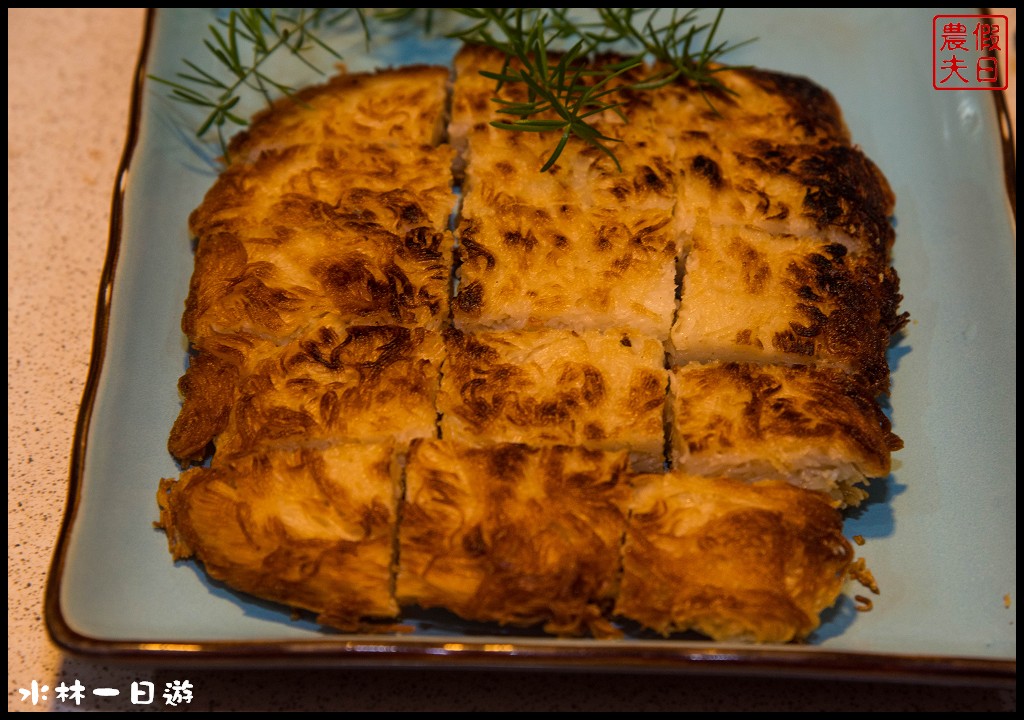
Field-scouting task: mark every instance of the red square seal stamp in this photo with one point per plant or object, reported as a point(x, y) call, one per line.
point(969, 52)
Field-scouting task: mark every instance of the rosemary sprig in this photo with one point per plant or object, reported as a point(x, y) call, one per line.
point(576, 91)
point(672, 43)
point(564, 91)
point(242, 43)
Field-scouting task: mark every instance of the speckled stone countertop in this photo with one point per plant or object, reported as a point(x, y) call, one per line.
point(70, 79)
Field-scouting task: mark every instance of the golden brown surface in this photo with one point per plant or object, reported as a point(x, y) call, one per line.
point(397, 107)
point(331, 214)
point(758, 104)
point(818, 428)
point(603, 390)
point(310, 528)
point(730, 560)
point(359, 382)
point(303, 231)
point(834, 192)
point(582, 246)
point(513, 534)
point(751, 296)
point(326, 326)
point(364, 382)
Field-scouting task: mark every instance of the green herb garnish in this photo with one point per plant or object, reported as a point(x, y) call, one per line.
point(563, 90)
point(565, 85)
point(242, 43)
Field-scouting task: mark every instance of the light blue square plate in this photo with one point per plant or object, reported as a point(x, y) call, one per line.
point(940, 532)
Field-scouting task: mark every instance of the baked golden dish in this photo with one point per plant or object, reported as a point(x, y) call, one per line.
point(604, 390)
point(510, 533)
point(732, 560)
point(311, 528)
point(593, 397)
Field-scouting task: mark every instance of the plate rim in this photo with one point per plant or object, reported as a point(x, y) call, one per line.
point(664, 656)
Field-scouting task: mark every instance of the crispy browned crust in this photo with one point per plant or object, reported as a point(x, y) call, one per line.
point(366, 383)
point(333, 213)
point(321, 296)
point(513, 534)
point(755, 103)
point(336, 201)
point(833, 191)
point(752, 296)
point(312, 529)
point(730, 560)
point(208, 389)
point(556, 249)
point(304, 231)
point(404, 105)
point(817, 428)
point(603, 390)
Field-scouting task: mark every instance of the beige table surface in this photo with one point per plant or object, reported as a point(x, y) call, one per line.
point(69, 83)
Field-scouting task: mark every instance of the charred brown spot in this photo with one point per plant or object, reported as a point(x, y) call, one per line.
point(816, 320)
point(514, 238)
point(646, 391)
point(473, 542)
point(469, 348)
point(756, 271)
point(707, 169)
point(789, 342)
point(412, 213)
point(351, 284)
point(470, 299)
point(845, 190)
point(586, 380)
point(622, 264)
point(811, 107)
point(423, 245)
point(649, 180)
point(507, 462)
point(208, 388)
point(440, 488)
point(373, 517)
point(620, 190)
point(470, 250)
point(807, 293)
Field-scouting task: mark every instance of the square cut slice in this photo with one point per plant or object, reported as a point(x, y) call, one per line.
point(817, 428)
point(749, 296)
point(506, 163)
point(394, 188)
point(754, 103)
point(403, 106)
point(831, 192)
point(566, 268)
point(367, 383)
point(730, 560)
point(513, 534)
point(314, 529)
point(589, 244)
point(605, 390)
point(304, 231)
